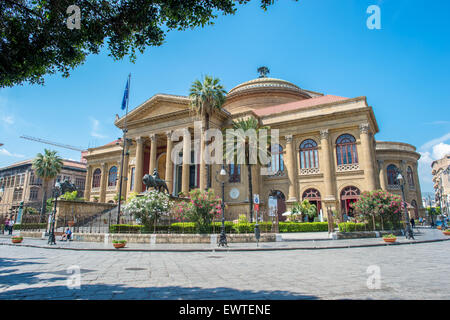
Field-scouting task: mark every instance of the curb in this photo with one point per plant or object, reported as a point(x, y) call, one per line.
point(229, 249)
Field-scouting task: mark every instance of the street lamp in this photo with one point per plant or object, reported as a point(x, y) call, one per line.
point(223, 236)
point(126, 144)
point(408, 232)
point(56, 193)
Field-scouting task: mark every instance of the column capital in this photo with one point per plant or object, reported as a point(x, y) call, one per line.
point(169, 134)
point(380, 162)
point(152, 137)
point(140, 140)
point(103, 164)
point(364, 128)
point(288, 138)
point(324, 134)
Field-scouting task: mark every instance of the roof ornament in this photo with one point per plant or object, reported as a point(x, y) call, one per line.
point(263, 71)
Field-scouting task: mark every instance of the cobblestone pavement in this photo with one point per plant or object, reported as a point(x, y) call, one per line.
point(292, 243)
point(417, 271)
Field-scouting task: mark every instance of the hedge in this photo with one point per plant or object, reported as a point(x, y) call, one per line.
point(27, 226)
point(302, 226)
point(351, 226)
point(230, 227)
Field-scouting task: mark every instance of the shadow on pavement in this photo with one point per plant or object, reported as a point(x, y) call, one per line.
point(107, 292)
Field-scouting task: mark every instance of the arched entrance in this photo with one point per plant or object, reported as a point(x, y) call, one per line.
point(281, 203)
point(313, 196)
point(349, 195)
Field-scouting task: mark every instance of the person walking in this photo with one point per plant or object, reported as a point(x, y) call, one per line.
point(11, 226)
point(6, 226)
point(413, 223)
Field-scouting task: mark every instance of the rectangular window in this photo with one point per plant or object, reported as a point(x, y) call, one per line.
point(132, 179)
point(34, 194)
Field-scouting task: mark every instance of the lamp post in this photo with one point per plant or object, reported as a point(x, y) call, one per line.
point(56, 192)
point(408, 232)
point(223, 236)
point(125, 145)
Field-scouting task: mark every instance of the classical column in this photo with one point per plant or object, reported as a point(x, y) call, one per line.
point(103, 179)
point(382, 173)
point(404, 168)
point(153, 146)
point(326, 165)
point(256, 176)
point(169, 163)
point(186, 162)
point(202, 183)
point(124, 177)
point(367, 154)
point(291, 169)
point(139, 165)
point(88, 183)
point(418, 190)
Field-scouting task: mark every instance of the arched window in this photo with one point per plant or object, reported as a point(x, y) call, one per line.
point(392, 174)
point(309, 157)
point(349, 195)
point(112, 176)
point(346, 149)
point(410, 177)
point(276, 164)
point(235, 172)
point(96, 178)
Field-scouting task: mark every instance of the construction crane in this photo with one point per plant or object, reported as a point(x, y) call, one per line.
point(66, 146)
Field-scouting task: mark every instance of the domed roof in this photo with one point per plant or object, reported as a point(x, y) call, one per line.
point(267, 85)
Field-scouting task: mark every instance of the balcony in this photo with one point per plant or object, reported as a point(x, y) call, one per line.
point(348, 167)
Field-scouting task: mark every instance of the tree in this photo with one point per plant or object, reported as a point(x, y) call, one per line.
point(46, 166)
point(36, 40)
point(310, 210)
point(149, 207)
point(206, 97)
point(241, 129)
point(201, 208)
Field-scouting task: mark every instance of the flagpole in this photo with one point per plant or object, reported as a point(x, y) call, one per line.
point(124, 143)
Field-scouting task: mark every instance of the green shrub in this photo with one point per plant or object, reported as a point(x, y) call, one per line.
point(351, 226)
point(28, 226)
point(125, 228)
point(302, 226)
point(119, 241)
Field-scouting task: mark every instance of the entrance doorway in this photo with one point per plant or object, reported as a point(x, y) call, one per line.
point(281, 203)
point(349, 195)
point(313, 196)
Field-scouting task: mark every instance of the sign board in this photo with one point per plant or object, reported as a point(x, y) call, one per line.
point(273, 206)
point(256, 198)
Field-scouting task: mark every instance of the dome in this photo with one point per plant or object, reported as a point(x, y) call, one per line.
point(267, 85)
point(262, 92)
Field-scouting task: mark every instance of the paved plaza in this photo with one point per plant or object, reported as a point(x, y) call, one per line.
point(416, 271)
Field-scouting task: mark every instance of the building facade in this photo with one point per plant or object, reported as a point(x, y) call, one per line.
point(20, 184)
point(441, 179)
point(327, 152)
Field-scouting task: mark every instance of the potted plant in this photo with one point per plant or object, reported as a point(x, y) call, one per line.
point(17, 239)
point(390, 238)
point(119, 243)
point(446, 232)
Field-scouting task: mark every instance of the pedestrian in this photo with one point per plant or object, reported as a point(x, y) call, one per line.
point(413, 223)
point(11, 225)
point(6, 226)
point(421, 221)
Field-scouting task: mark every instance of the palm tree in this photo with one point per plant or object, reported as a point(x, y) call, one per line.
point(240, 127)
point(206, 97)
point(46, 166)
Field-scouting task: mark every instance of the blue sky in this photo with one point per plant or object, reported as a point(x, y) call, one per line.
point(320, 45)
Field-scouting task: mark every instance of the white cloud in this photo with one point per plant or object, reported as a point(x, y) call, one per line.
point(432, 150)
point(95, 129)
point(8, 119)
point(440, 150)
point(5, 152)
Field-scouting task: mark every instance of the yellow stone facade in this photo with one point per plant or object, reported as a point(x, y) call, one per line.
point(344, 159)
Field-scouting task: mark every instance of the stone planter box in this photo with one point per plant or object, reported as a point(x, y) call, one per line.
point(366, 234)
point(163, 238)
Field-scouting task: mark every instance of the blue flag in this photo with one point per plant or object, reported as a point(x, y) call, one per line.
point(125, 95)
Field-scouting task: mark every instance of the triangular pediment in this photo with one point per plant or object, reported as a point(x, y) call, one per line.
point(156, 107)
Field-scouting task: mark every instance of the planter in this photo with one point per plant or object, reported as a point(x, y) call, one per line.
point(390, 240)
point(439, 227)
point(447, 233)
point(119, 245)
point(16, 240)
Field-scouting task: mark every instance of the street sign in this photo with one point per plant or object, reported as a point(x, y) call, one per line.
point(256, 199)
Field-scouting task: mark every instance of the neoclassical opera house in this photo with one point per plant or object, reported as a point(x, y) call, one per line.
point(327, 152)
